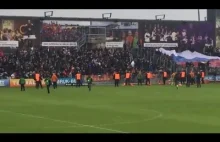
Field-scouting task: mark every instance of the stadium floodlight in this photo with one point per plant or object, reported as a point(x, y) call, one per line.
point(106, 15)
point(160, 17)
point(48, 13)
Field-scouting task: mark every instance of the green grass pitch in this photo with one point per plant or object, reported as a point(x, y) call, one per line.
point(106, 109)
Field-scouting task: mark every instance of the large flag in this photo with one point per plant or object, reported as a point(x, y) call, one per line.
point(188, 56)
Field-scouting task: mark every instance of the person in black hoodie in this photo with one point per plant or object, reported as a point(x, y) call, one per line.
point(188, 80)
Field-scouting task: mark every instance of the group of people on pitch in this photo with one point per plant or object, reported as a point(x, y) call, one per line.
point(179, 78)
point(128, 78)
point(52, 81)
point(38, 81)
point(190, 78)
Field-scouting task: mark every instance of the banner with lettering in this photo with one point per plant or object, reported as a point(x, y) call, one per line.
point(29, 83)
point(64, 81)
point(4, 82)
point(114, 44)
point(100, 78)
point(161, 45)
point(8, 43)
point(212, 78)
point(60, 44)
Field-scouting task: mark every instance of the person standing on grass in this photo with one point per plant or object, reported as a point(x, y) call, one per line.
point(192, 77)
point(48, 83)
point(38, 79)
point(172, 78)
point(177, 79)
point(117, 79)
point(198, 80)
point(78, 79)
point(54, 80)
point(183, 76)
point(139, 78)
point(164, 77)
point(22, 83)
point(148, 77)
point(127, 78)
point(202, 77)
point(188, 80)
point(89, 81)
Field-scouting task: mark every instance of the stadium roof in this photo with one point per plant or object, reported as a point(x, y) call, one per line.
point(86, 19)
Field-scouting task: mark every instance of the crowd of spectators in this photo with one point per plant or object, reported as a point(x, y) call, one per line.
point(64, 61)
point(194, 37)
point(55, 32)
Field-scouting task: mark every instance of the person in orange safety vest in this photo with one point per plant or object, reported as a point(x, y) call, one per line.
point(182, 77)
point(165, 75)
point(78, 79)
point(54, 80)
point(202, 77)
point(38, 79)
point(117, 79)
point(148, 77)
point(127, 78)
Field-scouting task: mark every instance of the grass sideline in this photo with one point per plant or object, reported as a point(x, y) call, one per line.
point(107, 109)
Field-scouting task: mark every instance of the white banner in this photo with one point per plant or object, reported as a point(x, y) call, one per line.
point(161, 45)
point(8, 43)
point(59, 44)
point(114, 44)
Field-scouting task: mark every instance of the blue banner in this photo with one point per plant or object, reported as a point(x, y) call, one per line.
point(212, 78)
point(4, 82)
point(63, 81)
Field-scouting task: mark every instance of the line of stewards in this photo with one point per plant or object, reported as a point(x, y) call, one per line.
point(38, 79)
point(182, 77)
point(128, 79)
point(117, 78)
point(148, 77)
point(78, 79)
point(54, 80)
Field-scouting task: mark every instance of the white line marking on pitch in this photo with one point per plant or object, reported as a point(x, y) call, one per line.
point(118, 123)
point(62, 121)
point(144, 120)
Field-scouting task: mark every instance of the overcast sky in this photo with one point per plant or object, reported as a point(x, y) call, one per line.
point(174, 14)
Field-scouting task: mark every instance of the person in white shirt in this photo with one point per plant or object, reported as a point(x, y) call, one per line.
point(185, 40)
point(173, 36)
point(153, 35)
point(166, 35)
point(147, 36)
point(193, 40)
point(183, 32)
point(162, 38)
point(13, 76)
point(199, 38)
